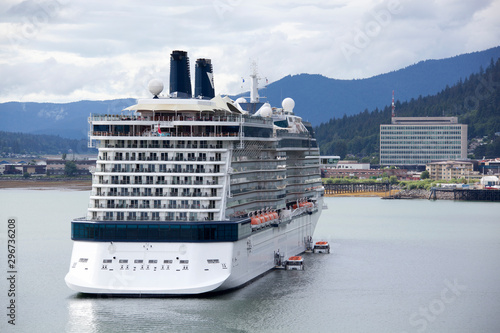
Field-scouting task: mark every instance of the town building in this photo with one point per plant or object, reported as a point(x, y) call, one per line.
point(490, 167)
point(447, 170)
point(416, 141)
point(56, 167)
point(21, 169)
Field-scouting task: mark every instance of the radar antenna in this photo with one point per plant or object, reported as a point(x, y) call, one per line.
point(393, 107)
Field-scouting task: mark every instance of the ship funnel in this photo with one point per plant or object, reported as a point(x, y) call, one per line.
point(180, 77)
point(204, 80)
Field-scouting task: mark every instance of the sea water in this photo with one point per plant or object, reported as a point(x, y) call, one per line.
point(395, 266)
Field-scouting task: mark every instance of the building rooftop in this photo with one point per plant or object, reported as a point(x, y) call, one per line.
point(423, 120)
point(455, 162)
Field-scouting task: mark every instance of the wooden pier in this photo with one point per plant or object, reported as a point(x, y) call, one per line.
point(356, 188)
point(465, 194)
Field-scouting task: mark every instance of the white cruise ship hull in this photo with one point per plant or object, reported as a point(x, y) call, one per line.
point(181, 268)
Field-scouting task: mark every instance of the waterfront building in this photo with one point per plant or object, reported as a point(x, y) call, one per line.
point(20, 169)
point(352, 165)
point(416, 141)
point(490, 166)
point(447, 170)
point(489, 181)
point(83, 167)
point(328, 162)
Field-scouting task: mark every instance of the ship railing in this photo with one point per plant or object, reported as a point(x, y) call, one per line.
point(155, 134)
point(169, 119)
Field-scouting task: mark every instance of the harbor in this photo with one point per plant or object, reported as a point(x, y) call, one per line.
point(387, 261)
point(389, 191)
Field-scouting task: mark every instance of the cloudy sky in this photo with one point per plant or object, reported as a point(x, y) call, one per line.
point(69, 50)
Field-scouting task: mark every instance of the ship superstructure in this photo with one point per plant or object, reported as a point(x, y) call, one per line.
point(194, 194)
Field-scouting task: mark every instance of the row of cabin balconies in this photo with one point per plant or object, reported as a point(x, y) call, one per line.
point(255, 189)
point(152, 169)
point(158, 182)
point(302, 173)
point(163, 145)
point(157, 194)
point(161, 158)
point(190, 218)
point(164, 206)
point(166, 134)
point(257, 178)
point(271, 200)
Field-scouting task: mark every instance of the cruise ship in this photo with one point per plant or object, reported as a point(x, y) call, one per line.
point(195, 193)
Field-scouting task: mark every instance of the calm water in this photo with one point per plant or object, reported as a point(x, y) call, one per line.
point(396, 266)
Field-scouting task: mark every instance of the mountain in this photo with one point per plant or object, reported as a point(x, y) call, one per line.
point(41, 144)
point(475, 101)
point(318, 98)
point(68, 120)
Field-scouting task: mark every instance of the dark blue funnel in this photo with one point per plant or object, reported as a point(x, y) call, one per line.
point(204, 81)
point(180, 77)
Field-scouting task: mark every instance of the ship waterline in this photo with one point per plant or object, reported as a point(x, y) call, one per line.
point(192, 195)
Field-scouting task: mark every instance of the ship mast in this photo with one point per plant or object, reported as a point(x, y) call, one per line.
point(254, 84)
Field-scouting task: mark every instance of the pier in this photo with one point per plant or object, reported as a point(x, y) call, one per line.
point(356, 188)
point(464, 194)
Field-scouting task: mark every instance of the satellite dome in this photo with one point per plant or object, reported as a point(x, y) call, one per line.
point(265, 110)
point(155, 87)
point(288, 104)
point(241, 100)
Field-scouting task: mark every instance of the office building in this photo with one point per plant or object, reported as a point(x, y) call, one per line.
point(416, 141)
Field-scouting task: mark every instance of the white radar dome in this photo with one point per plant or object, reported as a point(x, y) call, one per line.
point(266, 111)
point(155, 87)
point(288, 104)
point(241, 100)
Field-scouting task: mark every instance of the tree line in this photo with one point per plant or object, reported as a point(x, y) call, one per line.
point(41, 144)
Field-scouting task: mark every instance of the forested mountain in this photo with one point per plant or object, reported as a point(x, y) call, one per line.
point(68, 120)
point(317, 98)
point(41, 144)
point(475, 101)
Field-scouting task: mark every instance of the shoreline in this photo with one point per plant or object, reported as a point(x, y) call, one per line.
point(364, 194)
point(78, 184)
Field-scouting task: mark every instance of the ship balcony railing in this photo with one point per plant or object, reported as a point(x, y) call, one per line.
point(148, 133)
point(169, 119)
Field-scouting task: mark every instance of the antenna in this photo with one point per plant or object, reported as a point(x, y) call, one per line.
point(393, 107)
point(254, 84)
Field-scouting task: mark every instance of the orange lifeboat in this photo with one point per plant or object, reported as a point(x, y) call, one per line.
point(321, 247)
point(255, 221)
point(295, 263)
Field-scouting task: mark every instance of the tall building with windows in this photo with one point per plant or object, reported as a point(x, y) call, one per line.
point(416, 141)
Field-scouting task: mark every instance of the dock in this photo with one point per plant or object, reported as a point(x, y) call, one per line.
point(464, 194)
point(356, 188)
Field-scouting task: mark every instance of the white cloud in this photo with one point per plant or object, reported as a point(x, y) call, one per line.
point(61, 50)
